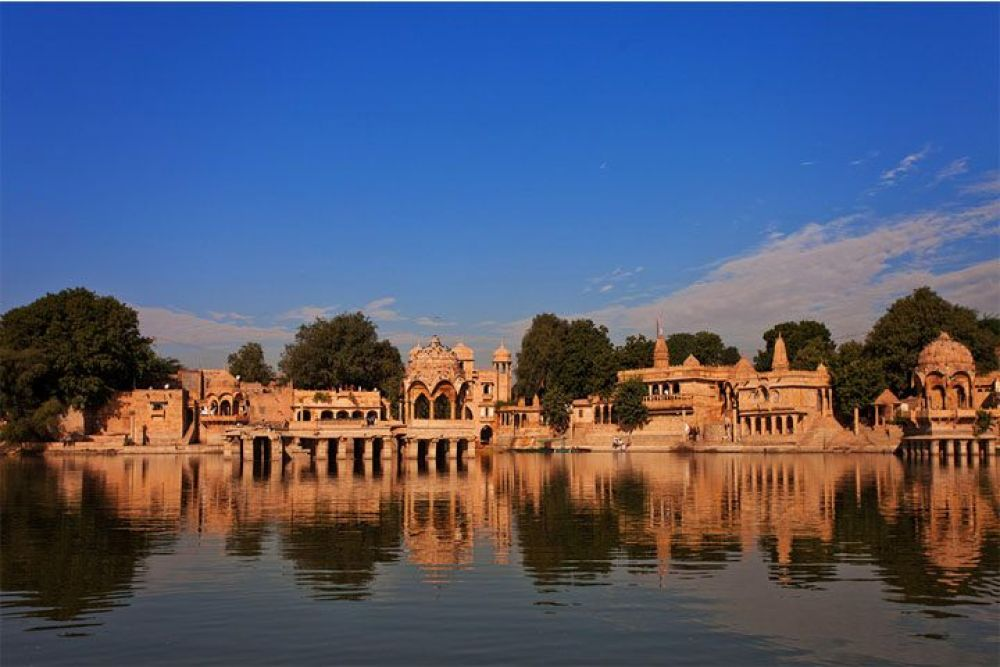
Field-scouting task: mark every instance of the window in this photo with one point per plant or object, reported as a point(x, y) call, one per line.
point(487, 389)
point(157, 405)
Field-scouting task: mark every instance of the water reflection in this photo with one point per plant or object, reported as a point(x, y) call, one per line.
point(77, 531)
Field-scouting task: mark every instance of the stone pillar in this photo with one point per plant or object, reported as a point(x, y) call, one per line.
point(367, 444)
point(227, 449)
point(277, 449)
point(322, 449)
point(247, 448)
point(855, 420)
point(343, 448)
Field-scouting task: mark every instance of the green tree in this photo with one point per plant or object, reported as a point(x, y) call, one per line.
point(343, 351)
point(913, 321)
point(636, 352)
point(857, 380)
point(576, 357)
point(556, 409)
point(706, 346)
point(630, 406)
point(586, 363)
point(75, 348)
point(807, 342)
point(248, 364)
point(538, 358)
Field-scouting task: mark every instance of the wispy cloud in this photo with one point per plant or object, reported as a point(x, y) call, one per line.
point(229, 317)
point(169, 326)
point(433, 321)
point(951, 170)
point(307, 313)
point(843, 272)
point(988, 185)
point(605, 283)
point(892, 176)
point(381, 309)
point(807, 163)
point(870, 155)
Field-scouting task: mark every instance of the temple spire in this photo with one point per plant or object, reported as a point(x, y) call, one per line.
point(661, 355)
point(779, 360)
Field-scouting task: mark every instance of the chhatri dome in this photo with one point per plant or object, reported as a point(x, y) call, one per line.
point(945, 353)
point(501, 353)
point(463, 352)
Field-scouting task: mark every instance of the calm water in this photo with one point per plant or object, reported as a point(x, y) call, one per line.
point(721, 559)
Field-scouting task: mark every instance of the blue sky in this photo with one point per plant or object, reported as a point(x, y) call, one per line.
point(231, 170)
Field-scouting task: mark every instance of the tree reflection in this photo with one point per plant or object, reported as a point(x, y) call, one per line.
point(62, 561)
point(562, 537)
point(337, 557)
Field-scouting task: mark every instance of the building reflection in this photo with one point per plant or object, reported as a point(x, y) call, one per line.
point(76, 530)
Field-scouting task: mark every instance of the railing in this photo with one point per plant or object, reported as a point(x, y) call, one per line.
point(224, 419)
point(951, 413)
point(314, 424)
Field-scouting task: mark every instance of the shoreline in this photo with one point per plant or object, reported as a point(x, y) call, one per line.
point(83, 448)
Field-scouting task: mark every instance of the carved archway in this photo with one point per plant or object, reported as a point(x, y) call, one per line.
point(422, 407)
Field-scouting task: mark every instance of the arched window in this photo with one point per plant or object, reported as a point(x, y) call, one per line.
point(342, 414)
point(960, 395)
point(356, 414)
point(326, 415)
point(307, 415)
point(421, 408)
point(442, 407)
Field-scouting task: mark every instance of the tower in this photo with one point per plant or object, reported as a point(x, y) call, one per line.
point(503, 366)
point(779, 361)
point(661, 355)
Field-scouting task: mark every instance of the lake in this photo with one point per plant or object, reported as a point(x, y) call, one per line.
point(526, 558)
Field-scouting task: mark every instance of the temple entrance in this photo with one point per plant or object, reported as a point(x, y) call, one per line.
point(486, 435)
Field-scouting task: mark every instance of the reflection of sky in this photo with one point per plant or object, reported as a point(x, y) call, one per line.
point(456, 581)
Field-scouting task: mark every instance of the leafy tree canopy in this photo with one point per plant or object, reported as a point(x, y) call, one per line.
point(706, 346)
point(807, 342)
point(914, 321)
point(556, 409)
point(857, 380)
point(541, 348)
point(636, 352)
point(630, 409)
point(343, 351)
point(577, 357)
point(73, 347)
point(248, 364)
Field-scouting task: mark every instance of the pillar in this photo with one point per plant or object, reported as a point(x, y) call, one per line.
point(277, 449)
point(247, 447)
point(322, 450)
point(367, 444)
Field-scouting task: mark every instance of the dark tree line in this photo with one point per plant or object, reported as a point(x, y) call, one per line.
point(70, 349)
